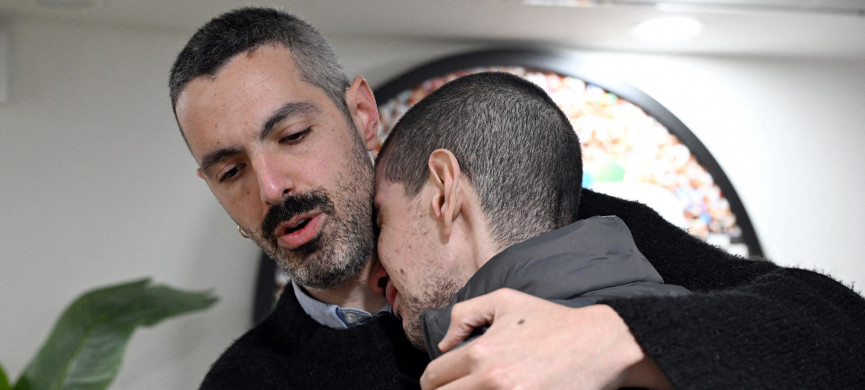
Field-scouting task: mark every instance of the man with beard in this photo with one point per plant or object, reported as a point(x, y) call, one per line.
point(478, 189)
point(281, 137)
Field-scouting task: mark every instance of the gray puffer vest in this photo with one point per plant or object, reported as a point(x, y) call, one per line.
point(577, 265)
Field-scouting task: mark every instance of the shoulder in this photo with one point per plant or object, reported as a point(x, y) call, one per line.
point(599, 204)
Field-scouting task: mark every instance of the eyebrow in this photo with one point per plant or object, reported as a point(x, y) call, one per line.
point(212, 158)
point(287, 110)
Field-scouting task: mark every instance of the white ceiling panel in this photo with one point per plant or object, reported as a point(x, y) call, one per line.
point(825, 28)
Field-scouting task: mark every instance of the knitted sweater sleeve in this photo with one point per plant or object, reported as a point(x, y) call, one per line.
point(749, 324)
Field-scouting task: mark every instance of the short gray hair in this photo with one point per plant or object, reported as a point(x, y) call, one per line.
point(515, 145)
point(245, 29)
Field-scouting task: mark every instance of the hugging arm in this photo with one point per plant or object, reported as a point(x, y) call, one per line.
point(749, 324)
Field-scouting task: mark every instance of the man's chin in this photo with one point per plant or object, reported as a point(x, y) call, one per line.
point(420, 346)
point(319, 277)
point(323, 271)
point(414, 334)
point(417, 342)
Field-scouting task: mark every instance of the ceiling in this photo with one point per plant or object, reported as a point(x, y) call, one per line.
point(813, 28)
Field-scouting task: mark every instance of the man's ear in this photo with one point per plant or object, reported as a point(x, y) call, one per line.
point(200, 173)
point(377, 277)
point(444, 174)
point(363, 111)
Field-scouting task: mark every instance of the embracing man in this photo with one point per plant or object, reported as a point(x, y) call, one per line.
point(502, 170)
point(478, 188)
point(282, 136)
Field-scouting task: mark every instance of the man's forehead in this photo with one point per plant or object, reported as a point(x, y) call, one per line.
point(389, 191)
point(384, 190)
point(379, 195)
point(244, 93)
point(260, 66)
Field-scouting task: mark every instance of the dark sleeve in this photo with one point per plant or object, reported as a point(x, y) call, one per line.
point(749, 324)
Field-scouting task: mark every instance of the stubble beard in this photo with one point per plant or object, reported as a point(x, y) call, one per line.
point(440, 291)
point(346, 242)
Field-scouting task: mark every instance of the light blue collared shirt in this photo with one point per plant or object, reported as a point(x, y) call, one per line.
point(333, 316)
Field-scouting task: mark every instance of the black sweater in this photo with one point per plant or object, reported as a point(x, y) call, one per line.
point(748, 325)
point(289, 350)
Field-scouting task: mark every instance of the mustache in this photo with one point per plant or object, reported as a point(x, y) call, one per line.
point(292, 206)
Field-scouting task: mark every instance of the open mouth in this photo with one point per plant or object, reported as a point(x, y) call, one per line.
point(300, 230)
point(297, 227)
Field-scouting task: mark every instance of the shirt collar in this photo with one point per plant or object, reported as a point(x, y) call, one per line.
point(333, 316)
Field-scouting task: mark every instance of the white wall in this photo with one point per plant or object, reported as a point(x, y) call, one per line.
point(97, 186)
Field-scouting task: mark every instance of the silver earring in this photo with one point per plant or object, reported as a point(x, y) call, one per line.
point(242, 233)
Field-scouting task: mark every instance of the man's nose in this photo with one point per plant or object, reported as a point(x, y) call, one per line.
point(273, 184)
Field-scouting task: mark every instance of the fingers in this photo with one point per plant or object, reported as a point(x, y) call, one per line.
point(466, 382)
point(465, 368)
point(444, 370)
point(471, 314)
point(460, 328)
point(533, 343)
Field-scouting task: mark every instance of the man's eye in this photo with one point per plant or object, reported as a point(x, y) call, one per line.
point(294, 138)
point(230, 174)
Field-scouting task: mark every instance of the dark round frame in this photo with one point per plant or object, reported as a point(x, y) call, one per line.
point(551, 61)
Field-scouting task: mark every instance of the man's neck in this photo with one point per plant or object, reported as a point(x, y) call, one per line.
point(356, 292)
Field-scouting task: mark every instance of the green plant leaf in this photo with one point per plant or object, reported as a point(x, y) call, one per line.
point(85, 349)
point(4, 381)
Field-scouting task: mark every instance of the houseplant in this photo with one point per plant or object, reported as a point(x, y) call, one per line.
point(85, 348)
